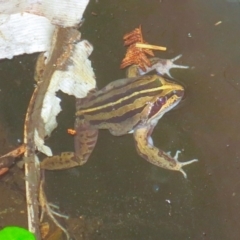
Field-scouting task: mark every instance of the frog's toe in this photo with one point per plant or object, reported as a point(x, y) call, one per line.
point(175, 65)
point(176, 155)
point(176, 58)
point(168, 73)
point(181, 164)
point(168, 153)
point(189, 162)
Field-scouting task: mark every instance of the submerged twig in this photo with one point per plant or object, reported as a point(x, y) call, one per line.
point(31, 170)
point(16, 152)
point(9, 159)
point(46, 207)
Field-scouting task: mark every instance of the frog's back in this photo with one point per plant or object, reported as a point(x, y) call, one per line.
point(117, 92)
point(120, 101)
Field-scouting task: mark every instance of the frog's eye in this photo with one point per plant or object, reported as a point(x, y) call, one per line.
point(161, 101)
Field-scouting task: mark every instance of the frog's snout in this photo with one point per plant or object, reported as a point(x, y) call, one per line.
point(179, 93)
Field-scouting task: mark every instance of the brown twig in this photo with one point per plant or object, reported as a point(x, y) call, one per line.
point(31, 170)
point(138, 50)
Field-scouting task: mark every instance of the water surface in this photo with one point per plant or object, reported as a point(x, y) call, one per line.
point(134, 199)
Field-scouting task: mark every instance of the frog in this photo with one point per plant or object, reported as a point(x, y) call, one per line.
point(133, 105)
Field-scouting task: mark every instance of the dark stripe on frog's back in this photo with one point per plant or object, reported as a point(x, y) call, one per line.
point(120, 83)
point(118, 119)
point(136, 101)
point(104, 96)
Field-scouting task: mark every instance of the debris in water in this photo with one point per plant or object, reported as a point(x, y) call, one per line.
point(138, 49)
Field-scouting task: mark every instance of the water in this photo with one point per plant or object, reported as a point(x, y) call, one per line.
point(134, 199)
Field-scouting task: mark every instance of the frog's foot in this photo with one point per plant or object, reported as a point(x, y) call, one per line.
point(148, 151)
point(165, 65)
point(181, 164)
point(162, 66)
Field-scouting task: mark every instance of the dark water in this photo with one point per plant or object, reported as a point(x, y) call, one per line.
point(134, 199)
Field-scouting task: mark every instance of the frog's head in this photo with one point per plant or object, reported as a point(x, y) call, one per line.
point(170, 95)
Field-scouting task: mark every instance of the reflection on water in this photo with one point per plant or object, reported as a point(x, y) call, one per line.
point(132, 198)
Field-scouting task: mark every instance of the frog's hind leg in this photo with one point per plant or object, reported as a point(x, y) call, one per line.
point(84, 141)
point(148, 151)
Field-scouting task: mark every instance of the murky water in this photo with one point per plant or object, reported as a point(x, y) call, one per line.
point(134, 199)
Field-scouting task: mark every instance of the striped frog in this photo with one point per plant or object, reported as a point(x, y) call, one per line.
point(133, 105)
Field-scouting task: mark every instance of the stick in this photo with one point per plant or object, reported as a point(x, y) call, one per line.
point(32, 171)
point(149, 46)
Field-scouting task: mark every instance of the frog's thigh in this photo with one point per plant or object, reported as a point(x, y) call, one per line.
point(84, 140)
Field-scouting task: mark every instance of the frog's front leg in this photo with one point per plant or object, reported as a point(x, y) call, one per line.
point(84, 142)
point(162, 66)
point(148, 151)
